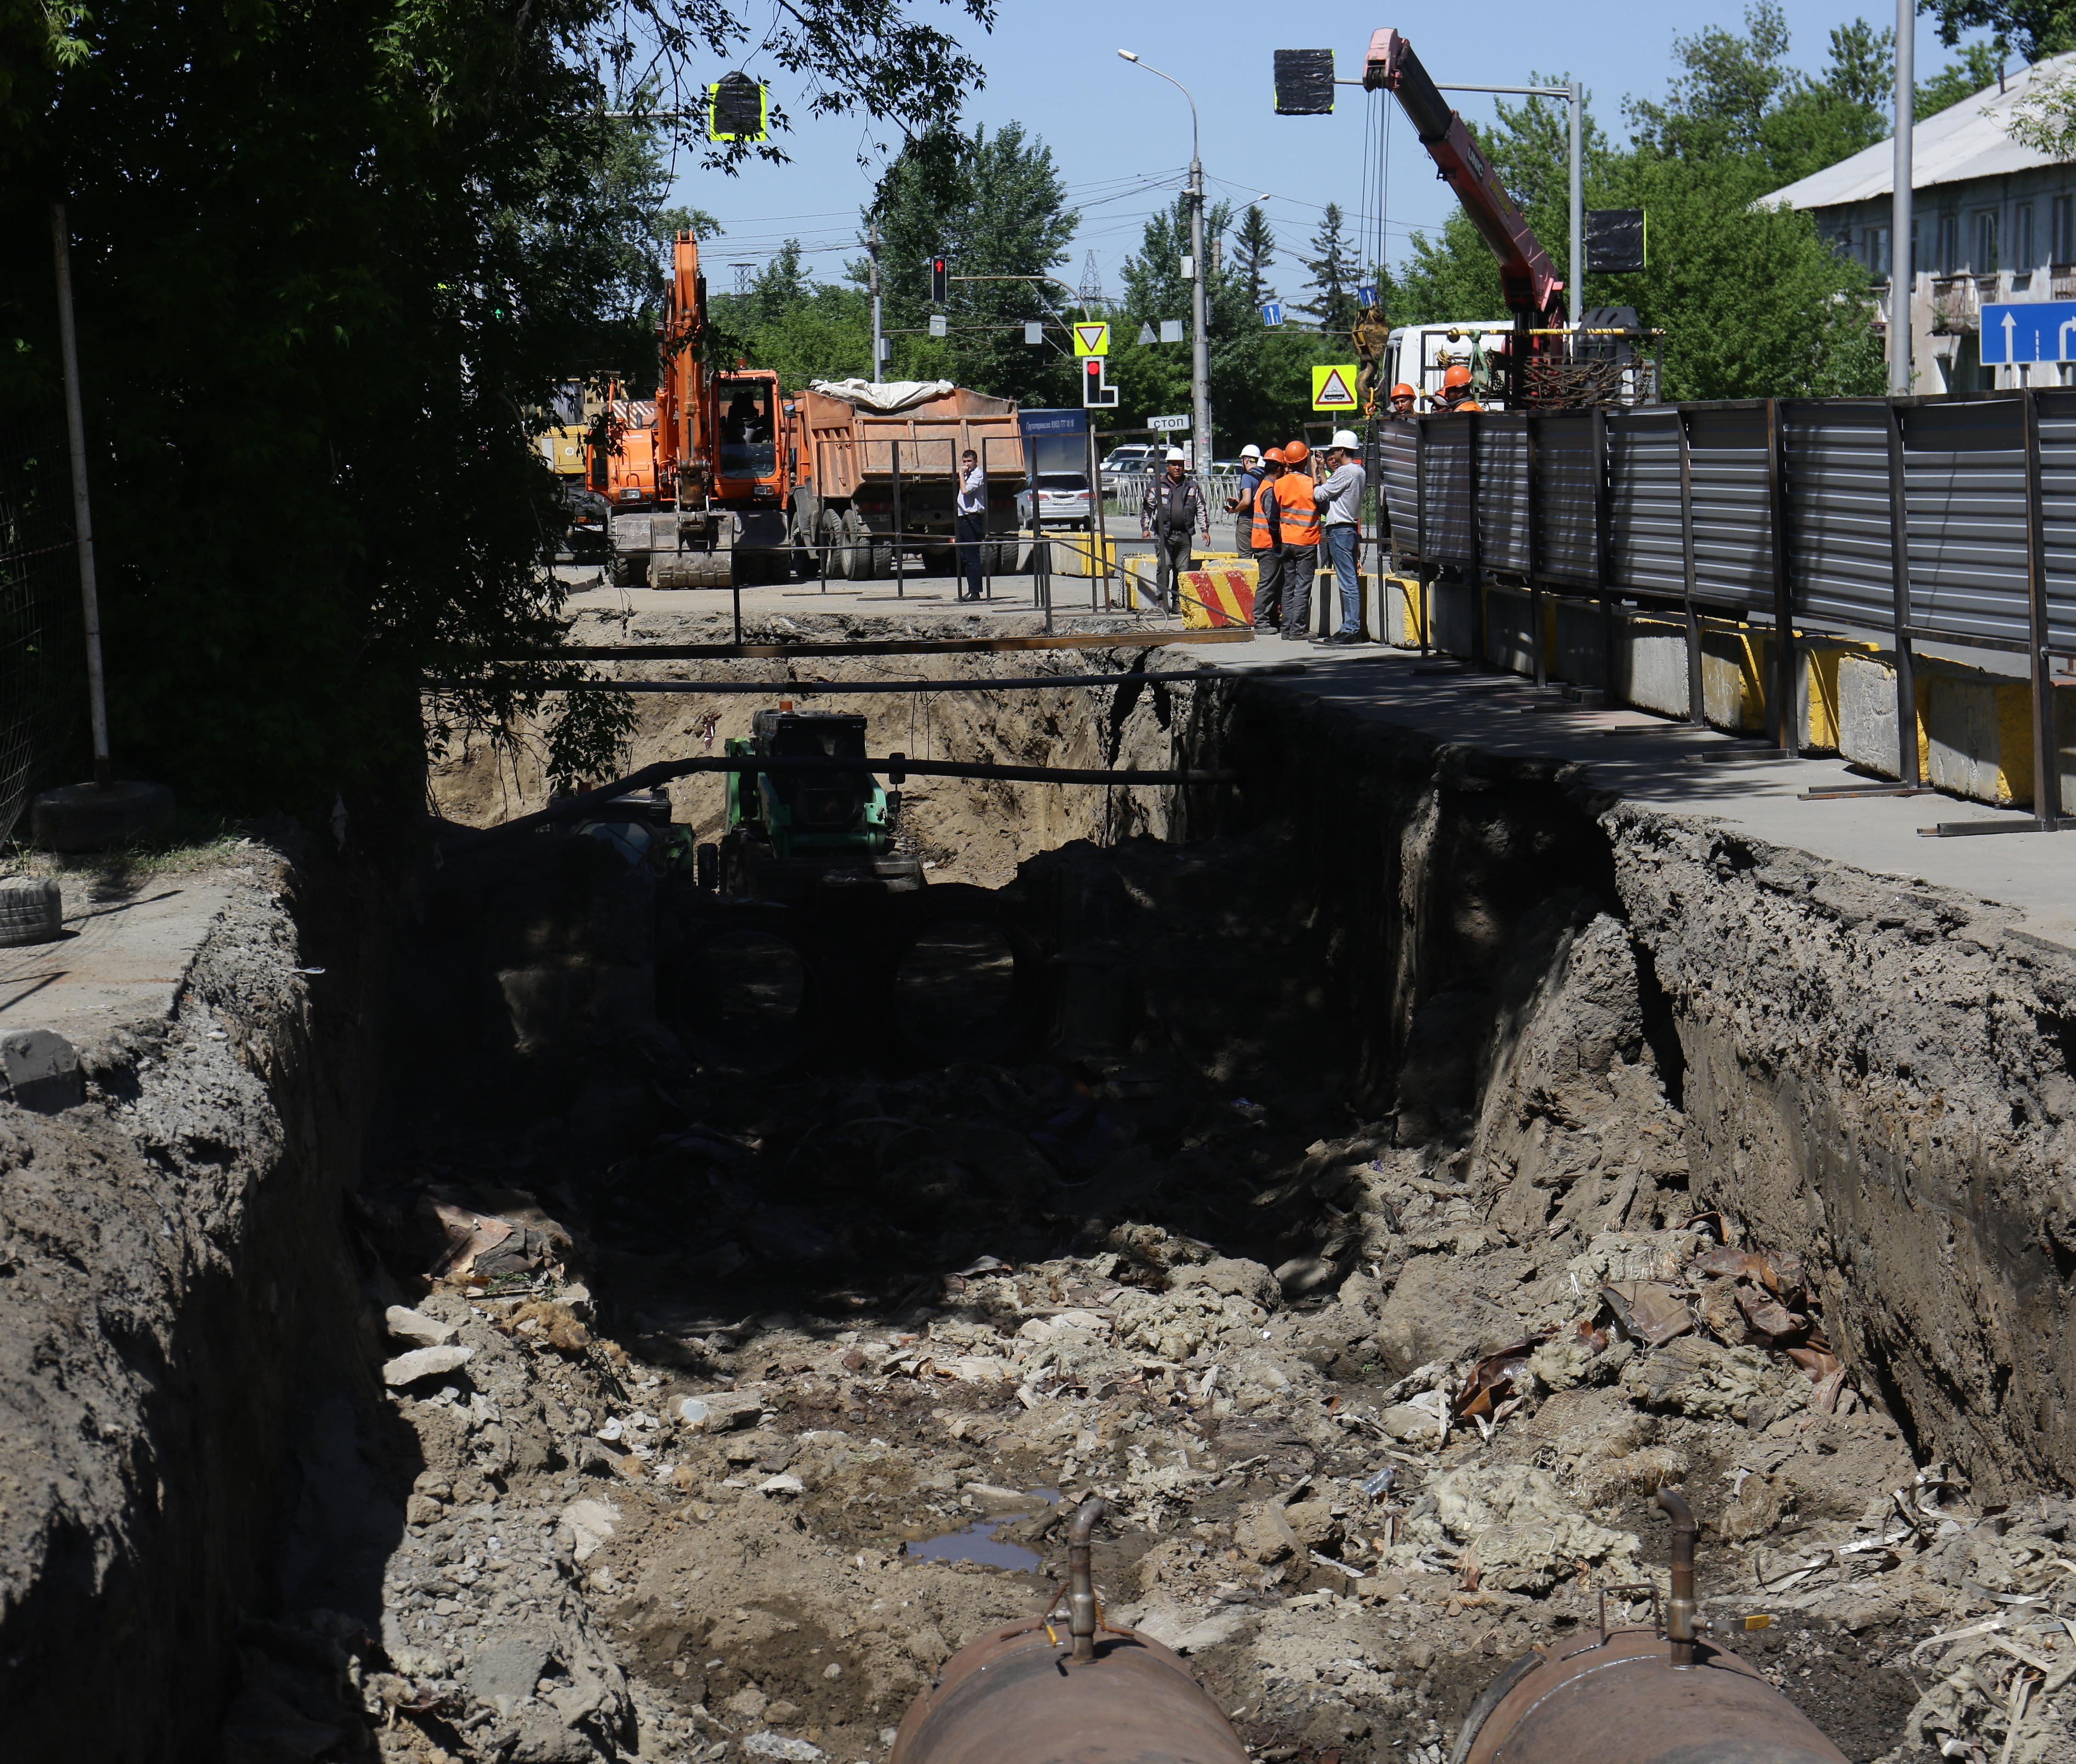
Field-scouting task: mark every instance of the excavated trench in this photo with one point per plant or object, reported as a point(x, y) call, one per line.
point(1375, 1176)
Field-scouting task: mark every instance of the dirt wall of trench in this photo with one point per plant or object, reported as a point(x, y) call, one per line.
point(1590, 1000)
point(177, 1284)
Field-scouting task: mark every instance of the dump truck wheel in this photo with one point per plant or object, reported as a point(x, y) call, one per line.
point(882, 559)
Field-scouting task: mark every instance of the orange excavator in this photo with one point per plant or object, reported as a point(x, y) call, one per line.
point(711, 507)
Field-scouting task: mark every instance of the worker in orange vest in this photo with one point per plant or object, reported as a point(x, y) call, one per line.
point(1456, 391)
point(1265, 541)
point(1298, 519)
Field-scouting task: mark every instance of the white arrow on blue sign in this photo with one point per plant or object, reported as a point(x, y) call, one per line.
point(2029, 330)
point(1367, 294)
point(1272, 312)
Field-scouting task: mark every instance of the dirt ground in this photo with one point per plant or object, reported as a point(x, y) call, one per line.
point(705, 1361)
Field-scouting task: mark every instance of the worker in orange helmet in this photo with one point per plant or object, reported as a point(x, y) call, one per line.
point(1298, 513)
point(1456, 390)
point(1402, 397)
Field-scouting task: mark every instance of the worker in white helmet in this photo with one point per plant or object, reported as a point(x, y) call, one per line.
point(1171, 516)
point(1241, 503)
point(1339, 496)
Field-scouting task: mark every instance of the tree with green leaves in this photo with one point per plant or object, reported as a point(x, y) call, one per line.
point(366, 239)
point(2036, 28)
point(1753, 300)
point(802, 329)
point(994, 204)
point(1974, 70)
point(1254, 255)
point(1333, 271)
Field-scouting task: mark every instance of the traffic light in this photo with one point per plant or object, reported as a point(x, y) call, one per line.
point(940, 281)
point(1097, 391)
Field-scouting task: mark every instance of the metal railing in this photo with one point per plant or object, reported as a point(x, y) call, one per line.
point(1950, 518)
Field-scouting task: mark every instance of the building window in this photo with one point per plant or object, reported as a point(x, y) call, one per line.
point(2022, 258)
point(1949, 244)
point(2064, 243)
point(1878, 252)
point(1985, 259)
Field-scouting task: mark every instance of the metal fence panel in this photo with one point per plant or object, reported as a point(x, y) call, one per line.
point(1503, 523)
point(1727, 448)
point(2057, 497)
point(1646, 546)
point(1964, 484)
point(1445, 441)
point(1566, 466)
point(1398, 478)
point(1839, 560)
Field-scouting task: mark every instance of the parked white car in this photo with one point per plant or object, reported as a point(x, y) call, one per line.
point(1062, 498)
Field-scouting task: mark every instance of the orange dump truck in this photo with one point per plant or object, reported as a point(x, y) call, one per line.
point(878, 460)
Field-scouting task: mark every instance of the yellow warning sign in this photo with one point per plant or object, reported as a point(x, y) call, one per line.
point(1334, 388)
point(1094, 340)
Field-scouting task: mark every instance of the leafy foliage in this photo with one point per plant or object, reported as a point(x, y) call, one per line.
point(1975, 70)
point(1254, 253)
point(1333, 272)
point(2035, 27)
point(802, 329)
point(1753, 300)
point(331, 259)
point(994, 205)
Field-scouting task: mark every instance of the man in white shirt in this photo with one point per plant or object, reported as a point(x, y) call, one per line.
point(1340, 498)
point(972, 526)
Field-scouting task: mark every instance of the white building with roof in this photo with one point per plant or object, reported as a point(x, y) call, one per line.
point(1994, 221)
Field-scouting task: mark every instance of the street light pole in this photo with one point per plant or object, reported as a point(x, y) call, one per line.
point(1200, 347)
point(1579, 212)
point(879, 347)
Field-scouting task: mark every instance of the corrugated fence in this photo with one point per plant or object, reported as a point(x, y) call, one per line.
point(1951, 518)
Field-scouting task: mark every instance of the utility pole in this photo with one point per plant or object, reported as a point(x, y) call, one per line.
point(1902, 259)
point(97, 687)
point(1578, 211)
point(1200, 348)
point(879, 347)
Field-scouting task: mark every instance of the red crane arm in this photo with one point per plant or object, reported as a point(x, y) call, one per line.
point(1535, 291)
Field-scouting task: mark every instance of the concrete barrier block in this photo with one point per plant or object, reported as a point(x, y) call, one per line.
point(1450, 607)
point(1650, 663)
point(1509, 641)
point(1963, 750)
point(1733, 675)
point(1581, 644)
point(1866, 713)
point(2065, 742)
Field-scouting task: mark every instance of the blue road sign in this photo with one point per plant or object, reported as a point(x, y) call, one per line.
point(1367, 294)
point(1272, 312)
point(2029, 330)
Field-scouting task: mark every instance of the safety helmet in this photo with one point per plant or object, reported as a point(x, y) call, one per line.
point(1401, 390)
point(1345, 439)
point(1296, 453)
point(1458, 375)
point(1176, 457)
point(1250, 451)
point(1274, 457)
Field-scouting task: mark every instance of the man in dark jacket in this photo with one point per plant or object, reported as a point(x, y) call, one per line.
point(1171, 516)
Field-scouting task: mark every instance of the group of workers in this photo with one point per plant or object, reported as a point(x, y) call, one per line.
point(1284, 516)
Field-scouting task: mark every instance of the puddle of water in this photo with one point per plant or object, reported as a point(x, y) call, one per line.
point(978, 1543)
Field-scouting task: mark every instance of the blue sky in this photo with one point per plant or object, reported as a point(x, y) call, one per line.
point(1121, 137)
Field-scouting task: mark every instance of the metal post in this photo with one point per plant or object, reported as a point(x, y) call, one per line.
point(1697, 703)
point(82, 513)
point(1902, 259)
point(1909, 760)
point(879, 344)
point(1100, 529)
point(1420, 515)
point(2046, 769)
point(735, 592)
point(1529, 503)
point(900, 582)
point(1578, 264)
point(1601, 569)
point(1782, 719)
point(1200, 357)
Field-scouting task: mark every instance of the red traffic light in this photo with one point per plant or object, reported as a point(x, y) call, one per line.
point(940, 280)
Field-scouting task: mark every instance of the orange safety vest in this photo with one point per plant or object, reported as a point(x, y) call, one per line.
point(1298, 511)
point(1261, 538)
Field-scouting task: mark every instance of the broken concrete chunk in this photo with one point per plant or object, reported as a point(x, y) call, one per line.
point(39, 1071)
point(721, 1411)
point(779, 1745)
point(1314, 1524)
point(415, 1327)
point(782, 1485)
point(589, 1523)
point(425, 1363)
point(1235, 1277)
point(505, 1671)
point(1264, 1535)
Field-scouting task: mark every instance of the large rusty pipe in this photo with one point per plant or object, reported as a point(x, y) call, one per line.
point(1680, 1610)
point(1025, 1694)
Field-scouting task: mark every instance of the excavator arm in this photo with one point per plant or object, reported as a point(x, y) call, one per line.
point(1535, 292)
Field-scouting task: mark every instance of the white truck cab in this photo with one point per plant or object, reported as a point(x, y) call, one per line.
point(1420, 355)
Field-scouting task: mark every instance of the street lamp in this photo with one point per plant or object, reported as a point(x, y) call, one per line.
point(1200, 356)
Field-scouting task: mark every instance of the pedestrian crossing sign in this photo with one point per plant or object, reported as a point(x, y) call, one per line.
point(1091, 339)
point(1334, 388)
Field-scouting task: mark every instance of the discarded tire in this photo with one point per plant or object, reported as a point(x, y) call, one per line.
point(32, 910)
point(85, 817)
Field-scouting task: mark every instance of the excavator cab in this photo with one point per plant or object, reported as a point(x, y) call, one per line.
point(748, 413)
